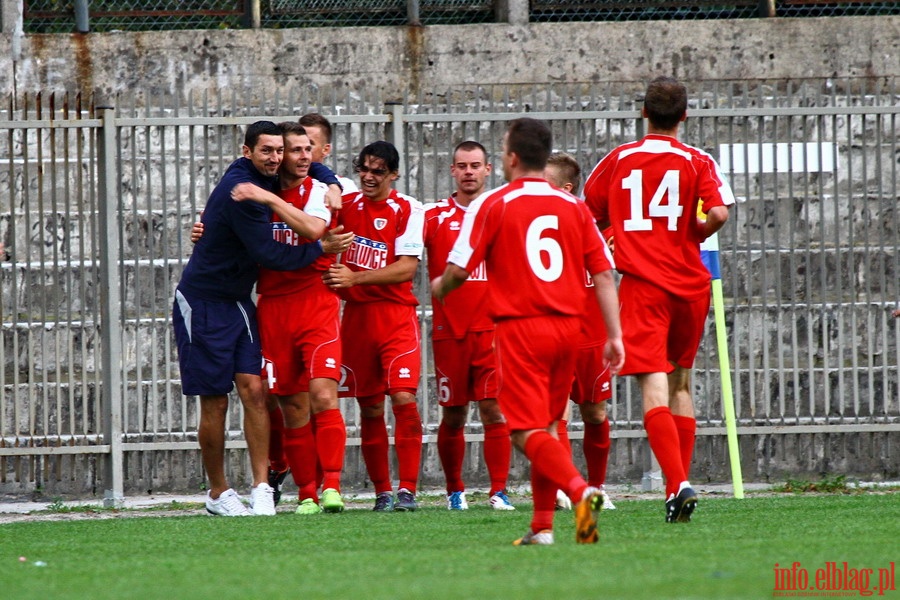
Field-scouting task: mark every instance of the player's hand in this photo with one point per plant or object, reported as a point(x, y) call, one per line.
point(333, 198)
point(247, 191)
point(335, 241)
point(338, 277)
point(437, 288)
point(614, 352)
point(196, 232)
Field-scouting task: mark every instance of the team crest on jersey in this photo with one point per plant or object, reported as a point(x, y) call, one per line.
point(379, 223)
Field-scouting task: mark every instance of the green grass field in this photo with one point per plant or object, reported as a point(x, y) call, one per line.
point(728, 551)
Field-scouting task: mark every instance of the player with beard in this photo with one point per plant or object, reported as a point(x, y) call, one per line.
point(462, 341)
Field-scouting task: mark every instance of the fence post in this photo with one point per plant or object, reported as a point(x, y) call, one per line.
point(514, 12)
point(412, 13)
point(252, 14)
point(766, 8)
point(394, 133)
point(111, 394)
point(82, 16)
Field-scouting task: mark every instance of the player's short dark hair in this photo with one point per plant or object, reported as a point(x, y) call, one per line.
point(468, 146)
point(569, 169)
point(317, 120)
point(254, 130)
point(380, 149)
point(292, 128)
point(531, 140)
point(665, 102)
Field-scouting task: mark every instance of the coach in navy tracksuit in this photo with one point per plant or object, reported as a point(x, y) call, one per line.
point(215, 319)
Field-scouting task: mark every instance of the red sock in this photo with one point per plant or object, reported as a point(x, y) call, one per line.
point(543, 494)
point(562, 432)
point(300, 448)
point(663, 438)
point(596, 451)
point(277, 458)
point(551, 461)
point(687, 435)
point(320, 475)
point(451, 444)
point(408, 443)
point(331, 438)
point(374, 446)
point(497, 454)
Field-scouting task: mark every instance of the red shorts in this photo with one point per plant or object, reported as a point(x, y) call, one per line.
point(659, 328)
point(465, 369)
point(535, 366)
point(593, 383)
point(381, 350)
point(300, 338)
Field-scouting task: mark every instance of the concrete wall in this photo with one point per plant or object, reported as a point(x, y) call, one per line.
point(399, 59)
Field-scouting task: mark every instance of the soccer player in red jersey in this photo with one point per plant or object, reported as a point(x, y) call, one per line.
point(462, 340)
point(537, 241)
point(380, 327)
point(649, 191)
point(302, 355)
point(319, 130)
point(592, 387)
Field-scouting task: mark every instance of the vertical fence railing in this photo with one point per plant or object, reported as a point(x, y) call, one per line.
point(99, 210)
point(111, 347)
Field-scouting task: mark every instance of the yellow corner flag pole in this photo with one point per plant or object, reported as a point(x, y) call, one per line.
point(709, 250)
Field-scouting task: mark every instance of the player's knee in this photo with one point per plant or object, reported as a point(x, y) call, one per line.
point(594, 414)
point(490, 413)
point(454, 416)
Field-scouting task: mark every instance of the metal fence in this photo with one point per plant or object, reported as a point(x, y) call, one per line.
point(54, 16)
point(101, 198)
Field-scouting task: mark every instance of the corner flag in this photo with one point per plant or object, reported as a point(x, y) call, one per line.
point(709, 252)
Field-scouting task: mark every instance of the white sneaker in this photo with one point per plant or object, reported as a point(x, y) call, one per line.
point(262, 500)
point(457, 501)
point(607, 502)
point(562, 501)
point(544, 537)
point(228, 504)
point(500, 501)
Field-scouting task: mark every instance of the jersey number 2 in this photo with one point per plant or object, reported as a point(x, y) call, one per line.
point(667, 190)
point(536, 245)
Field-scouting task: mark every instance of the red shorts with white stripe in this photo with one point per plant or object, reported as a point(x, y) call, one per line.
point(381, 349)
point(593, 383)
point(465, 369)
point(300, 338)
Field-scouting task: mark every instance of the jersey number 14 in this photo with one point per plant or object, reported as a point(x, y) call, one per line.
point(664, 203)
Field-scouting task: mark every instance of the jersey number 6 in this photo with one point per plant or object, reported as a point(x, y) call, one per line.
point(535, 246)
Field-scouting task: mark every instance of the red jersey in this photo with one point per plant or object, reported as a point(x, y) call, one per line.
point(464, 310)
point(384, 231)
point(536, 240)
point(309, 197)
point(593, 327)
point(649, 191)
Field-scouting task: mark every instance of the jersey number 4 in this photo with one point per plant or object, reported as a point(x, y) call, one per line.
point(667, 191)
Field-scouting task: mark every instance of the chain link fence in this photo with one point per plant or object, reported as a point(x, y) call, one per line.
point(58, 16)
